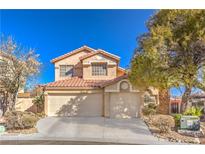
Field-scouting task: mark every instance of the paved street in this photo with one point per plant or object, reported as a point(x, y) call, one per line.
point(51, 142)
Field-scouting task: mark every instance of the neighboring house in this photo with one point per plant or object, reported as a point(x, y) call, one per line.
point(90, 83)
point(196, 99)
point(175, 105)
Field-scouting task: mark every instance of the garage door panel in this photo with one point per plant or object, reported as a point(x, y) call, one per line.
point(75, 105)
point(124, 105)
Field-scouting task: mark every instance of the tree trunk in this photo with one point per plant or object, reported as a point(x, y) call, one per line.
point(185, 99)
point(12, 101)
point(5, 103)
point(164, 99)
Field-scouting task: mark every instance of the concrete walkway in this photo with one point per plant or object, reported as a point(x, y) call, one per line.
point(129, 131)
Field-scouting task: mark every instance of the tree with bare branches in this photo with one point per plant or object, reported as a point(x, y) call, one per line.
point(17, 66)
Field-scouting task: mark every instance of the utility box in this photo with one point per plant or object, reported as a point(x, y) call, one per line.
point(190, 123)
point(2, 129)
point(2, 125)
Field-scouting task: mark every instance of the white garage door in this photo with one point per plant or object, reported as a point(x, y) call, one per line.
point(89, 105)
point(124, 105)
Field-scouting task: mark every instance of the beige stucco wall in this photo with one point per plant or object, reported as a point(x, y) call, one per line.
point(71, 60)
point(23, 104)
point(99, 58)
point(116, 87)
point(74, 103)
point(111, 70)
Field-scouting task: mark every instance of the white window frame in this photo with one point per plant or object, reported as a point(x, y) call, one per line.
point(67, 68)
point(99, 69)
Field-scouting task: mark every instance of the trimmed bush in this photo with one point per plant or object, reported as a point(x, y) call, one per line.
point(177, 118)
point(149, 109)
point(20, 120)
point(163, 122)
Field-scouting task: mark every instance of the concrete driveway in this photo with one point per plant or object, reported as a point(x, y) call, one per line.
point(129, 131)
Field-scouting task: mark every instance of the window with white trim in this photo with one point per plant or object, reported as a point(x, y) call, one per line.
point(66, 70)
point(99, 69)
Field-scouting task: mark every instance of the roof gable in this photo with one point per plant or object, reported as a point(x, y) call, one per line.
point(100, 51)
point(91, 50)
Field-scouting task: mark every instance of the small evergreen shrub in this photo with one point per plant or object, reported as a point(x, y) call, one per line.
point(177, 118)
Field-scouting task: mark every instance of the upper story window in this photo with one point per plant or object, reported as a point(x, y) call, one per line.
point(99, 69)
point(66, 70)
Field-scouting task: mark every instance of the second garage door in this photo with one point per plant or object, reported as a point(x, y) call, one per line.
point(124, 105)
point(82, 105)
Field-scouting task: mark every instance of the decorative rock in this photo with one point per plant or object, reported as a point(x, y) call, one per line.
point(2, 120)
point(191, 133)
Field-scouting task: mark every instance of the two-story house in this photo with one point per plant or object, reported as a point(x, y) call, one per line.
point(90, 83)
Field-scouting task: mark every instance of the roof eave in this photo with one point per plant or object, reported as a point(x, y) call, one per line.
point(71, 53)
point(70, 88)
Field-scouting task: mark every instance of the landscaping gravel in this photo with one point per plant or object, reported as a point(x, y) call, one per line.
point(172, 135)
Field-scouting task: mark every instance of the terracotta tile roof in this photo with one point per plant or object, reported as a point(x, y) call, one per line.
point(101, 52)
point(76, 82)
point(73, 52)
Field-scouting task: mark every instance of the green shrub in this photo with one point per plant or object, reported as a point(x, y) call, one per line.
point(39, 102)
point(20, 120)
point(177, 118)
point(194, 111)
point(152, 106)
point(150, 109)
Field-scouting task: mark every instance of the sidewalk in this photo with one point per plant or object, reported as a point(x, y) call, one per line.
point(39, 137)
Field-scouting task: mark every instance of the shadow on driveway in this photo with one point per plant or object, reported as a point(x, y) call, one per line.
point(97, 129)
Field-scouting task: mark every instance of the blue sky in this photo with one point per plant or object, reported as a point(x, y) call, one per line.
point(55, 32)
